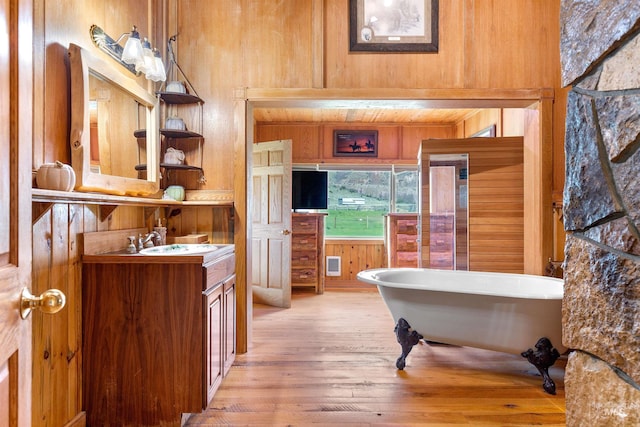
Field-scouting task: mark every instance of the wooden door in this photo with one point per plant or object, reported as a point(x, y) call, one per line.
point(271, 223)
point(15, 210)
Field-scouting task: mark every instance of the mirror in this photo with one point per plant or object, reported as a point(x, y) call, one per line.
point(114, 129)
point(448, 211)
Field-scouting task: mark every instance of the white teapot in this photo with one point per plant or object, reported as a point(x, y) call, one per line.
point(173, 156)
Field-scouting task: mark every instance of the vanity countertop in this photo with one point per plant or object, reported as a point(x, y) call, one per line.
point(123, 257)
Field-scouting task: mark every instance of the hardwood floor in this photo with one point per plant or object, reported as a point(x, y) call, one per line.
point(330, 360)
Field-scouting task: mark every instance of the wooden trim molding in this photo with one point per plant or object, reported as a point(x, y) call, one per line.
point(408, 98)
point(193, 198)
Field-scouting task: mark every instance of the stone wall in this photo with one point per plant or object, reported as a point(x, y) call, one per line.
point(600, 54)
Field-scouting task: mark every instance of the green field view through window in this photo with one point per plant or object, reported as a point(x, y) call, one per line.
point(341, 223)
point(359, 200)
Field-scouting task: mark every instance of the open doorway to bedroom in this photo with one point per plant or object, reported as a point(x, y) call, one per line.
point(300, 106)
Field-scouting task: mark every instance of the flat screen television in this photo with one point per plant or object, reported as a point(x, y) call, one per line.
point(309, 189)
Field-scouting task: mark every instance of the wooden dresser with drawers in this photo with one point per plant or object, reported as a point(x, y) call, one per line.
point(307, 250)
point(401, 240)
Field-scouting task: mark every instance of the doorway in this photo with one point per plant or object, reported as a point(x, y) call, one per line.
point(537, 141)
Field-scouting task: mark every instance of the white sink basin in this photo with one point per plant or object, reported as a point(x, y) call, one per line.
point(179, 249)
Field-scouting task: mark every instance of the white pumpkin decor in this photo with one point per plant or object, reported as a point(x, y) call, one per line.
point(56, 176)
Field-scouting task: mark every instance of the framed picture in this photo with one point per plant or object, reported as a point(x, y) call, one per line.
point(355, 143)
point(396, 26)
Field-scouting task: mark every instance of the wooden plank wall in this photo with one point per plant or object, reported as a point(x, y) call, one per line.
point(313, 142)
point(496, 212)
point(216, 223)
point(355, 256)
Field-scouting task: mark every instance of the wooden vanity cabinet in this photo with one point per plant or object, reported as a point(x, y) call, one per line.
point(158, 336)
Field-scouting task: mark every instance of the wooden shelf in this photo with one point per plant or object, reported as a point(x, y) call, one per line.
point(176, 133)
point(183, 139)
point(219, 198)
point(171, 133)
point(53, 196)
point(181, 167)
point(109, 202)
point(179, 98)
point(169, 166)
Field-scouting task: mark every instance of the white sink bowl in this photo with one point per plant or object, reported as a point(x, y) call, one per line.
point(180, 249)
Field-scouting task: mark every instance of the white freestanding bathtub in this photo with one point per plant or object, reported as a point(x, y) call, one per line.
point(495, 311)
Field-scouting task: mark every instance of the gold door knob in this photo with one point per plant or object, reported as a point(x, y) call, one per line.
point(286, 232)
point(51, 301)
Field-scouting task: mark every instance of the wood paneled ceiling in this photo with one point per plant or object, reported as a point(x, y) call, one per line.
point(442, 116)
point(393, 106)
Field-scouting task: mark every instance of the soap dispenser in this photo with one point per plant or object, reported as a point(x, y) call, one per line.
point(162, 232)
point(132, 247)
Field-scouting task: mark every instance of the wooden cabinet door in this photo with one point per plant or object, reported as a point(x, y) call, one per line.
point(143, 355)
point(213, 345)
point(15, 210)
point(229, 323)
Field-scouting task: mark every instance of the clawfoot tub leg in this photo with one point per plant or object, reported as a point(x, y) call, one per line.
point(407, 338)
point(543, 357)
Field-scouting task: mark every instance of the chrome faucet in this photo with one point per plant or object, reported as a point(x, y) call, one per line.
point(149, 240)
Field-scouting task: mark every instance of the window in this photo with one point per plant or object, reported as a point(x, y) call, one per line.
point(360, 198)
point(406, 184)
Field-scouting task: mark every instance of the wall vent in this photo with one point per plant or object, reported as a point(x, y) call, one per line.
point(333, 266)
